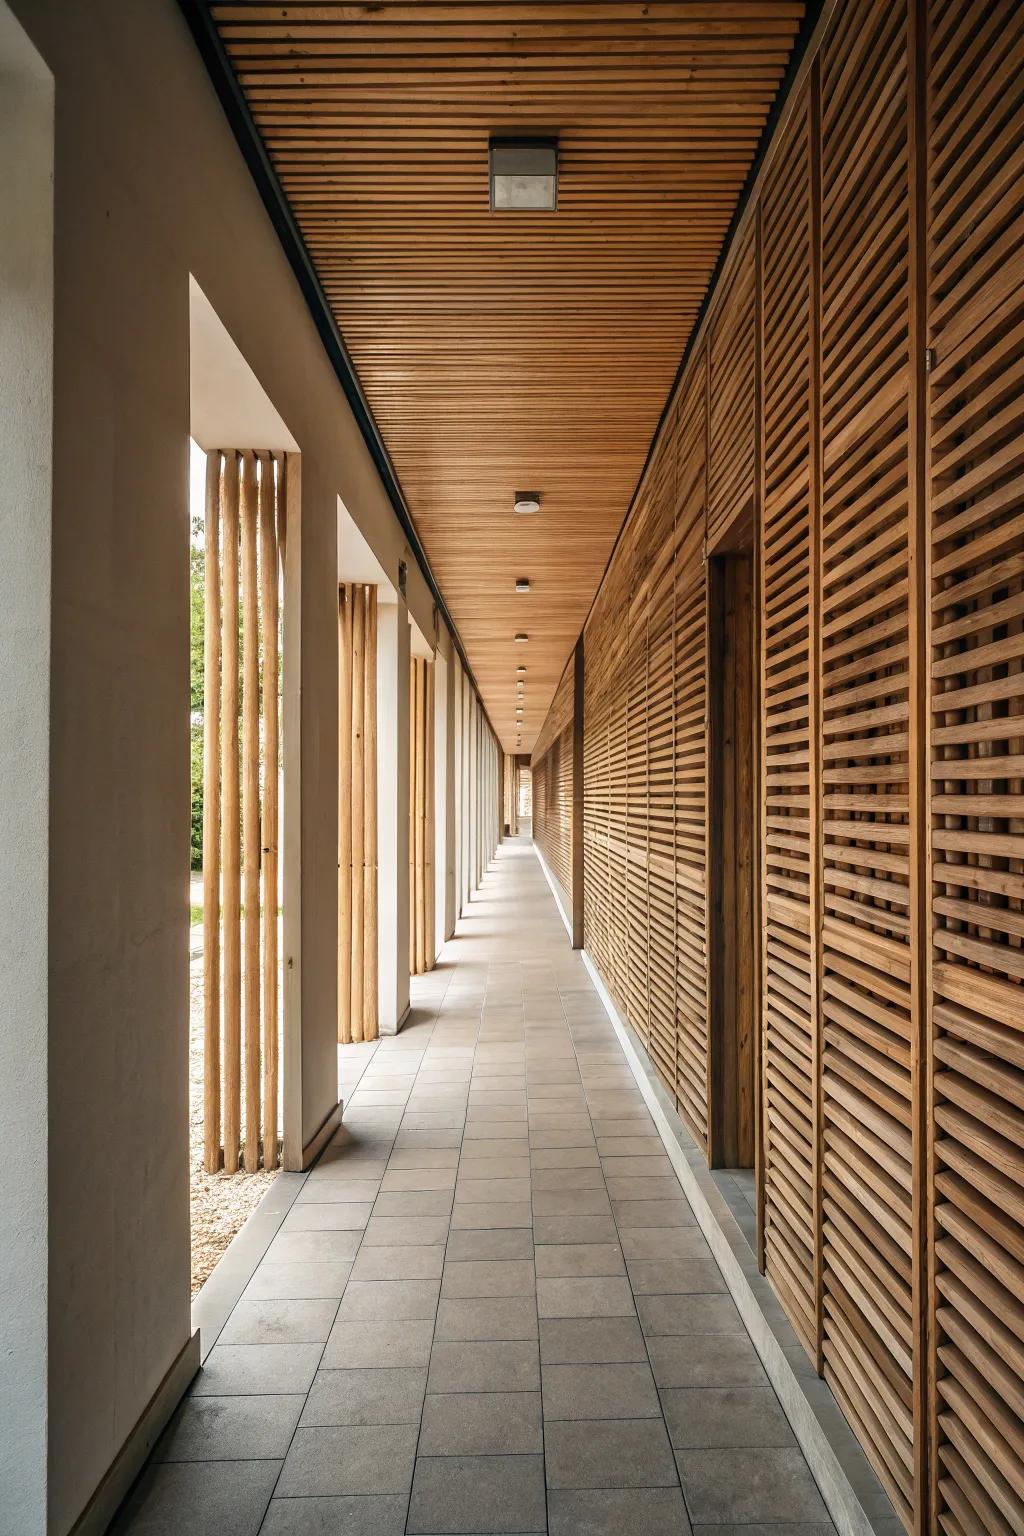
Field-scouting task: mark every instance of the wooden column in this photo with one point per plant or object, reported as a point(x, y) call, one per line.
point(230, 827)
point(369, 935)
point(429, 942)
point(345, 814)
point(211, 818)
point(269, 591)
point(577, 798)
point(251, 812)
point(358, 807)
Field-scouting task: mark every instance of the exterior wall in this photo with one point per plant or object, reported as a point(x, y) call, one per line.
point(26, 416)
point(852, 410)
point(150, 188)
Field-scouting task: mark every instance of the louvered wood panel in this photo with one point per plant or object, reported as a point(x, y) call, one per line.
point(597, 913)
point(790, 961)
point(552, 766)
point(976, 453)
point(636, 557)
point(618, 683)
point(661, 861)
point(690, 756)
point(868, 1237)
point(731, 424)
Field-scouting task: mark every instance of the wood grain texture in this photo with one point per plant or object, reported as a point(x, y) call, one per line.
point(504, 351)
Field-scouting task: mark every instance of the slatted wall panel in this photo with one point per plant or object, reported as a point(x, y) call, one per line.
point(790, 959)
point(551, 766)
point(867, 1235)
point(636, 556)
point(597, 909)
point(660, 789)
point(976, 331)
point(731, 425)
point(617, 640)
point(690, 756)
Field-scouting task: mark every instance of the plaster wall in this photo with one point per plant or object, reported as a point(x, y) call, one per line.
point(150, 189)
point(26, 413)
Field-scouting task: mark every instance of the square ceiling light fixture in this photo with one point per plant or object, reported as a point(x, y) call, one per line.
point(524, 175)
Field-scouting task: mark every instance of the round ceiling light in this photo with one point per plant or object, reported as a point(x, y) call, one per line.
point(521, 639)
point(526, 502)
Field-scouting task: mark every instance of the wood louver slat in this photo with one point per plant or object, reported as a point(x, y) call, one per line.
point(551, 767)
point(790, 1066)
point(975, 433)
point(868, 1230)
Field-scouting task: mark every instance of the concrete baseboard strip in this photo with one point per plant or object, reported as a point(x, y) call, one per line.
point(852, 1493)
point(131, 1458)
point(556, 892)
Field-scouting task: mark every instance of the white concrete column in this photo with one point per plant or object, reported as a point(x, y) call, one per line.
point(444, 820)
point(393, 814)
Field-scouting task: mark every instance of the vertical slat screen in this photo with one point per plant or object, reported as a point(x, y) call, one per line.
point(789, 736)
point(243, 557)
point(357, 813)
point(976, 460)
point(551, 766)
point(636, 553)
point(868, 1231)
point(731, 424)
point(660, 782)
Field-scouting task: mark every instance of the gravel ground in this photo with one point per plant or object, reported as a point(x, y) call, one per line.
point(220, 1203)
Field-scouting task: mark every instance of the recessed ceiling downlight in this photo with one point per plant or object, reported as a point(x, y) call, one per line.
point(522, 583)
point(521, 639)
point(525, 502)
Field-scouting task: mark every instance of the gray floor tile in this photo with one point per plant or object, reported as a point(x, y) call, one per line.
point(481, 1424)
point(413, 1158)
point(495, 1277)
point(565, 1260)
point(486, 1317)
point(706, 1360)
point(501, 1191)
point(617, 1511)
point(599, 1392)
point(546, 1158)
point(665, 1187)
point(660, 1315)
point(570, 1202)
point(381, 1300)
point(389, 1396)
point(230, 1428)
point(494, 1167)
point(349, 1459)
point(313, 1247)
point(321, 1216)
point(574, 1229)
point(505, 1366)
point(567, 1178)
point(599, 1340)
point(337, 1191)
point(371, 1345)
point(211, 1498)
point(366, 1515)
point(609, 1453)
point(749, 1485)
point(279, 1322)
point(493, 1214)
point(247, 1369)
point(719, 1417)
point(652, 1213)
point(478, 1494)
point(413, 1202)
point(490, 1243)
point(594, 1296)
point(649, 1244)
point(298, 1282)
point(405, 1231)
point(419, 1263)
point(773, 1528)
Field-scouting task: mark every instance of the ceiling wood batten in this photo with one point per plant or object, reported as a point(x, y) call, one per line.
point(499, 351)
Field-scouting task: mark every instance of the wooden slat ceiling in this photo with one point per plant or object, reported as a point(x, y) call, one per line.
point(510, 351)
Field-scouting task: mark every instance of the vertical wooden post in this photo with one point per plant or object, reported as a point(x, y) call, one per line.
point(230, 850)
point(421, 681)
point(358, 806)
point(211, 818)
point(370, 977)
point(251, 812)
point(345, 813)
point(577, 796)
point(269, 591)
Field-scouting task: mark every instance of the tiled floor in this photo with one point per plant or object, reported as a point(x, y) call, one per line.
point(490, 1308)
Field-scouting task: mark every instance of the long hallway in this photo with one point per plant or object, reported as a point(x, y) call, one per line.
point(489, 1308)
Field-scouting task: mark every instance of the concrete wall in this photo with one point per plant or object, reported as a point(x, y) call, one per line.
point(150, 188)
point(26, 415)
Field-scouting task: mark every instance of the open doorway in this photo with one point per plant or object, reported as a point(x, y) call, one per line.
point(241, 458)
point(525, 798)
point(733, 928)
